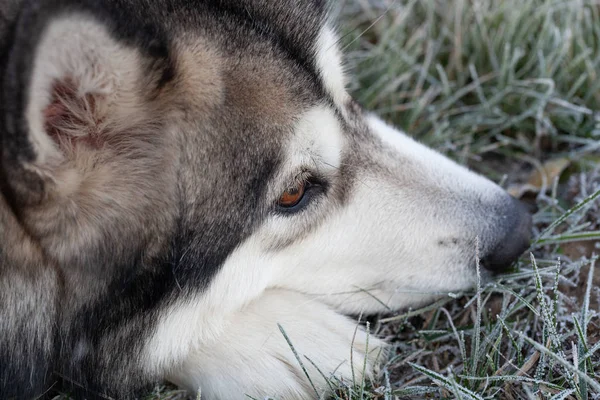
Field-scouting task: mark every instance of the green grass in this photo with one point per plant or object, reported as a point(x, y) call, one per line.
point(510, 77)
point(503, 86)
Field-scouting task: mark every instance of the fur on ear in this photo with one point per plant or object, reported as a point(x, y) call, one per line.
point(79, 89)
point(84, 89)
point(91, 151)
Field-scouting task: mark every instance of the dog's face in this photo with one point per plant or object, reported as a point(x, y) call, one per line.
point(267, 167)
point(237, 155)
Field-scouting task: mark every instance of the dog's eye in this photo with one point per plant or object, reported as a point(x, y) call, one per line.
point(292, 196)
point(300, 194)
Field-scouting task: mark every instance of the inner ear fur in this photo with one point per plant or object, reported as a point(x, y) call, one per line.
point(87, 95)
point(88, 163)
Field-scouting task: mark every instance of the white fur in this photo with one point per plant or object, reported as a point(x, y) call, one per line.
point(252, 357)
point(329, 63)
point(81, 49)
point(202, 318)
point(439, 170)
point(318, 140)
point(381, 247)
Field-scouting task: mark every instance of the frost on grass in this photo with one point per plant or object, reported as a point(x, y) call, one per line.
point(511, 85)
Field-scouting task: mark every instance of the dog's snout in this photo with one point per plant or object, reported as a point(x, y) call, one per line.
point(511, 238)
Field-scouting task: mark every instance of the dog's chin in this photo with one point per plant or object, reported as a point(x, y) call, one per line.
point(403, 299)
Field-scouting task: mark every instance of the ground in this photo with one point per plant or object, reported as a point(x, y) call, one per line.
point(510, 88)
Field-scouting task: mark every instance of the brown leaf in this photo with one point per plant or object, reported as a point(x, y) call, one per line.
point(541, 178)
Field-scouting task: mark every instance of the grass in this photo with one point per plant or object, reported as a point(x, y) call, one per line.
point(470, 78)
point(507, 87)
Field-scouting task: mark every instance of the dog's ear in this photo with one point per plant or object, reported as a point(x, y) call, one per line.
point(87, 158)
point(73, 97)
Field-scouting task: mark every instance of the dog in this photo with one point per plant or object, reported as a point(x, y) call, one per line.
point(184, 181)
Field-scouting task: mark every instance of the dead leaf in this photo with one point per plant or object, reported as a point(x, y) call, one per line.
point(541, 178)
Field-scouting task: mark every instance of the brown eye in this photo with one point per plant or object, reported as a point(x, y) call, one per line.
point(292, 196)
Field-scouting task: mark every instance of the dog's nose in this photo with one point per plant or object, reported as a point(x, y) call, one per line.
point(512, 239)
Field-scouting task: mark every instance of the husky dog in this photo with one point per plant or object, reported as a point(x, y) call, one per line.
point(180, 178)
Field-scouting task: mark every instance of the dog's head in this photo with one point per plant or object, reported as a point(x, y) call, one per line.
point(225, 144)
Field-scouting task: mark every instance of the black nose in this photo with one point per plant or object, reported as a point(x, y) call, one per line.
point(511, 238)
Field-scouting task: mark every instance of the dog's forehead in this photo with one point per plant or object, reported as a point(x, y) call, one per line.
point(265, 36)
point(277, 60)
